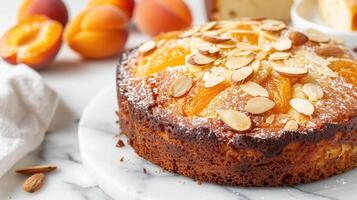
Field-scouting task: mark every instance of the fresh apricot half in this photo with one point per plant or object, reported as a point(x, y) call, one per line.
point(34, 41)
point(98, 32)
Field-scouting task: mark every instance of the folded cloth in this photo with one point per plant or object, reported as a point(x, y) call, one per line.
point(27, 106)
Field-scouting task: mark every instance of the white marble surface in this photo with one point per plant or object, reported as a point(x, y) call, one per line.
point(98, 133)
point(77, 82)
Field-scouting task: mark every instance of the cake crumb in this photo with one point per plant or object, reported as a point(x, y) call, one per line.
point(144, 170)
point(121, 159)
point(120, 144)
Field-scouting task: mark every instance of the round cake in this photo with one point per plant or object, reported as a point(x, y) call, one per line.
point(249, 102)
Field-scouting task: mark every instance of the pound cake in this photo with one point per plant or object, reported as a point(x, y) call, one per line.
point(231, 9)
point(249, 102)
point(339, 14)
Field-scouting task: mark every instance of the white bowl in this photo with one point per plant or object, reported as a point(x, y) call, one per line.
point(304, 14)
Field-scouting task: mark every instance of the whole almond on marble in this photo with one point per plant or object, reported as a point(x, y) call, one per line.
point(36, 169)
point(34, 182)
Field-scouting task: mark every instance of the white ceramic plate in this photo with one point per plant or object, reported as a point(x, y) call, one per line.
point(127, 181)
point(304, 14)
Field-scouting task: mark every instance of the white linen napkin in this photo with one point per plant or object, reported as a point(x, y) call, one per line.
point(27, 106)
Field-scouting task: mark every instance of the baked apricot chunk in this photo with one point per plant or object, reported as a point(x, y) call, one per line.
point(279, 88)
point(163, 58)
point(346, 68)
point(242, 102)
point(200, 97)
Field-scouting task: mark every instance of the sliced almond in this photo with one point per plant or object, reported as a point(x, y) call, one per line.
point(208, 50)
point(316, 36)
point(261, 55)
point(259, 105)
point(291, 125)
point(242, 75)
point(302, 106)
point(314, 58)
point(34, 182)
point(200, 60)
point(211, 80)
point(266, 47)
point(209, 26)
point(236, 62)
point(272, 25)
point(329, 50)
point(270, 119)
point(213, 37)
point(181, 86)
point(291, 71)
point(227, 45)
point(283, 45)
point(190, 32)
point(160, 43)
point(36, 169)
point(313, 91)
point(254, 89)
point(220, 71)
point(220, 61)
point(236, 120)
point(298, 38)
point(255, 66)
point(243, 53)
point(147, 47)
point(279, 56)
point(338, 40)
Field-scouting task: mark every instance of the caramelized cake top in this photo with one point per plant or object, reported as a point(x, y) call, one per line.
point(249, 76)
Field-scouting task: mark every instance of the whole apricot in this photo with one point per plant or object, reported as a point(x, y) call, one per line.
point(127, 6)
point(98, 32)
point(35, 41)
point(156, 16)
point(54, 9)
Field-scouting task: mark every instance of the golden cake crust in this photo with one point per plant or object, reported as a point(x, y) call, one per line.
point(206, 148)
